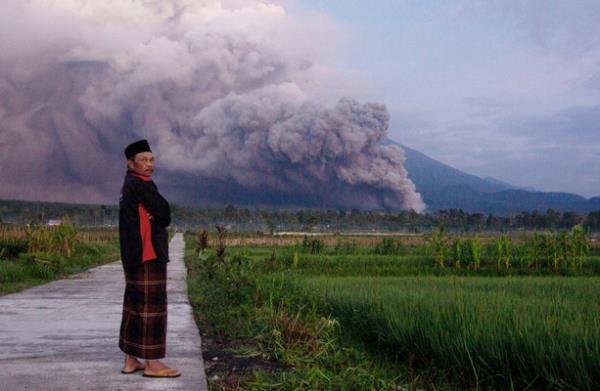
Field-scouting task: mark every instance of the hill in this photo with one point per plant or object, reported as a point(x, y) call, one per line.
point(445, 187)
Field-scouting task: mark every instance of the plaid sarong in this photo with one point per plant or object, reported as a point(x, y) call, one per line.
point(144, 323)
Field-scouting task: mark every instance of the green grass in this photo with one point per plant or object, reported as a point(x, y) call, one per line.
point(29, 269)
point(501, 332)
point(412, 323)
point(252, 311)
point(367, 263)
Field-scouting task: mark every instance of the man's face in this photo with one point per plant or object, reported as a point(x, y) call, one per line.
point(142, 163)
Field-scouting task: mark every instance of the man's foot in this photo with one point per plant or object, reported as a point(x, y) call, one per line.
point(132, 365)
point(155, 368)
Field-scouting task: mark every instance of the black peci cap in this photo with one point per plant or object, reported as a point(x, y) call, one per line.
point(137, 147)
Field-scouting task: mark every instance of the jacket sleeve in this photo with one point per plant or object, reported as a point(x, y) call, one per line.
point(155, 204)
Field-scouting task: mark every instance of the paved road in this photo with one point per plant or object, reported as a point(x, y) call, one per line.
point(64, 335)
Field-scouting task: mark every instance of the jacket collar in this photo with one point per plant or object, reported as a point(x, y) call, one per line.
point(142, 177)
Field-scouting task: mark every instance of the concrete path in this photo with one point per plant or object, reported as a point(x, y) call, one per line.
point(64, 335)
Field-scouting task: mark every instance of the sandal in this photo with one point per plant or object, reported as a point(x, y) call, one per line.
point(133, 370)
point(166, 372)
point(138, 367)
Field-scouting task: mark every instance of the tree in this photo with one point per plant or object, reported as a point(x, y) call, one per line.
point(570, 219)
point(475, 248)
point(579, 244)
point(311, 222)
point(457, 252)
point(592, 221)
point(355, 212)
point(230, 212)
point(492, 222)
point(552, 218)
point(271, 226)
point(439, 244)
point(503, 252)
point(476, 220)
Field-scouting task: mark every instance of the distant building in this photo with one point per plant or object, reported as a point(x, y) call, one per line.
point(52, 223)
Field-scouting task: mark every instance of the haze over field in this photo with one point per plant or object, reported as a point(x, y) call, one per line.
point(227, 92)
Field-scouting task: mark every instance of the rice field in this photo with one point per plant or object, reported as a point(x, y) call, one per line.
point(492, 327)
point(513, 332)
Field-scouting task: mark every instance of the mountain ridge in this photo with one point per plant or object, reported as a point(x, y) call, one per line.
point(445, 187)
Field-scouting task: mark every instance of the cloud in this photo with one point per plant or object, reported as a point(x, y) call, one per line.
point(223, 90)
point(512, 90)
point(548, 151)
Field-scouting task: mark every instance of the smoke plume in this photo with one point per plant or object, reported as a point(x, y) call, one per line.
point(225, 91)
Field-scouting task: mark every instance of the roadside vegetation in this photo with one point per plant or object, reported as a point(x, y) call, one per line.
point(439, 311)
point(37, 254)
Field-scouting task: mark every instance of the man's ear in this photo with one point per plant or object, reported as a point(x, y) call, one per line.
point(130, 164)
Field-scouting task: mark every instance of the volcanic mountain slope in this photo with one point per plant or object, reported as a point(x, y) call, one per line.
point(444, 187)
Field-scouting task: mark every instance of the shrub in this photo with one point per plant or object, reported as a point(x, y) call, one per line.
point(312, 246)
point(11, 248)
point(388, 246)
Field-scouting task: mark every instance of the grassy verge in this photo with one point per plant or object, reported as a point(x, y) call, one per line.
point(272, 338)
point(20, 267)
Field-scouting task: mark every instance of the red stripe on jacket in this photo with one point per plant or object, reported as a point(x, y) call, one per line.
point(148, 252)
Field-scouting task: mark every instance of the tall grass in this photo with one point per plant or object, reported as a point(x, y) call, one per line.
point(56, 240)
point(34, 255)
point(409, 262)
point(97, 235)
point(12, 242)
point(541, 333)
point(237, 303)
point(491, 318)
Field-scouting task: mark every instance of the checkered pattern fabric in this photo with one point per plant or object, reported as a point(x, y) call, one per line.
point(144, 323)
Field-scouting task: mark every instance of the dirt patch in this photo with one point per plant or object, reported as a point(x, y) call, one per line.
point(227, 370)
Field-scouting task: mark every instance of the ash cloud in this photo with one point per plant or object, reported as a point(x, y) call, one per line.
point(222, 89)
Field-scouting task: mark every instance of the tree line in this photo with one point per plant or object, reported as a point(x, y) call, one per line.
point(244, 218)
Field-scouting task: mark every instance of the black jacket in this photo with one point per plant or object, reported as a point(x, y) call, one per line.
point(143, 238)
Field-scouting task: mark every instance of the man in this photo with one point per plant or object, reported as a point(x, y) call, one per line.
point(143, 217)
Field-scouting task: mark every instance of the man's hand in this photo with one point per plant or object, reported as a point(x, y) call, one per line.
point(149, 216)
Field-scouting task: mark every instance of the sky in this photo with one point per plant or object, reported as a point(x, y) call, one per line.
point(505, 89)
point(234, 88)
